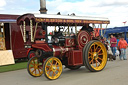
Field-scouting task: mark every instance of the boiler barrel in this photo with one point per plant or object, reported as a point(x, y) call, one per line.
point(59, 51)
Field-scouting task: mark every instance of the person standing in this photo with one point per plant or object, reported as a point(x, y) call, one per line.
point(113, 43)
point(122, 44)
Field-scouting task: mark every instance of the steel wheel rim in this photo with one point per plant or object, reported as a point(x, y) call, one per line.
point(53, 68)
point(97, 56)
point(35, 67)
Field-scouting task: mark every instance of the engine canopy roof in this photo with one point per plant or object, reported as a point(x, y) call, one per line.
point(62, 19)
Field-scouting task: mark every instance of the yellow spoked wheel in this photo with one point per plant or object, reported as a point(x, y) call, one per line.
point(52, 68)
point(35, 67)
point(95, 56)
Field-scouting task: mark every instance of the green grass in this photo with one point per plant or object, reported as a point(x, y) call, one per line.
point(17, 66)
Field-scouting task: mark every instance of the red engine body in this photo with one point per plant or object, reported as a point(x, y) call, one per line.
point(75, 57)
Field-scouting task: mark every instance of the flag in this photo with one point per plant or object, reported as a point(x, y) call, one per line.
point(124, 22)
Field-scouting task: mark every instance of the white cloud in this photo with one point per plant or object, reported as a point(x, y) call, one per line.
point(2, 3)
point(114, 2)
point(115, 10)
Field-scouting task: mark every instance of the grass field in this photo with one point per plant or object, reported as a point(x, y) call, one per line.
point(17, 66)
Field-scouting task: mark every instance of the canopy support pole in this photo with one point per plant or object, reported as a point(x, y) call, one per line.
point(68, 30)
point(101, 30)
point(105, 29)
point(76, 29)
point(35, 30)
point(93, 26)
point(55, 29)
point(24, 32)
point(21, 30)
point(31, 28)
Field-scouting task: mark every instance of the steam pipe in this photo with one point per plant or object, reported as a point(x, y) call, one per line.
point(43, 9)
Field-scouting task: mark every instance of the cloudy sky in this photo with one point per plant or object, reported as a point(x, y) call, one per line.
point(115, 10)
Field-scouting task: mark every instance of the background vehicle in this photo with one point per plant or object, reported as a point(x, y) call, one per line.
point(11, 42)
point(69, 46)
point(117, 32)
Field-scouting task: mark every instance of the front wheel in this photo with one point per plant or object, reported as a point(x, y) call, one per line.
point(95, 56)
point(52, 68)
point(35, 67)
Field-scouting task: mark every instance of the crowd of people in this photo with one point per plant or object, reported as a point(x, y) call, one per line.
point(116, 46)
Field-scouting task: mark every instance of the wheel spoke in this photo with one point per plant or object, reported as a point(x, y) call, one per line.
point(33, 70)
point(91, 61)
point(50, 63)
point(91, 53)
point(48, 69)
point(100, 54)
point(57, 69)
point(31, 67)
point(99, 58)
point(53, 74)
point(37, 62)
point(99, 50)
point(40, 67)
point(96, 63)
point(39, 71)
point(32, 63)
point(56, 63)
point(94, 47)
point(49, 72)
point(47, 66)
point(89, 57)
point(90, 50)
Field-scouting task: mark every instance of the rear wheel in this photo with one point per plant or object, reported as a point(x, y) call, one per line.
point(52, 68)
point(95, 56)
point(35, 67)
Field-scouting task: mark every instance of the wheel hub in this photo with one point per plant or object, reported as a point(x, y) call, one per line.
point(36, 66)
point(84, 39)
point(95, 55)
point(53, 68)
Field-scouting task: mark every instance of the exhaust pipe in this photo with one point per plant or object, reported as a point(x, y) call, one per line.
point(43, 9)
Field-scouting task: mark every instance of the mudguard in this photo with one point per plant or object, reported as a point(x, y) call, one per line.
point(42, 46)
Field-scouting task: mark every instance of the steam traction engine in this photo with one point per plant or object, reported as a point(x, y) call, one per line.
point(67, 45)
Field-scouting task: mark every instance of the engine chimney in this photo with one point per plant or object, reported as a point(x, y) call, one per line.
point(43, 9)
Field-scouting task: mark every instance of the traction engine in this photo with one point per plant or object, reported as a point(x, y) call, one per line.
point(66, 47)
